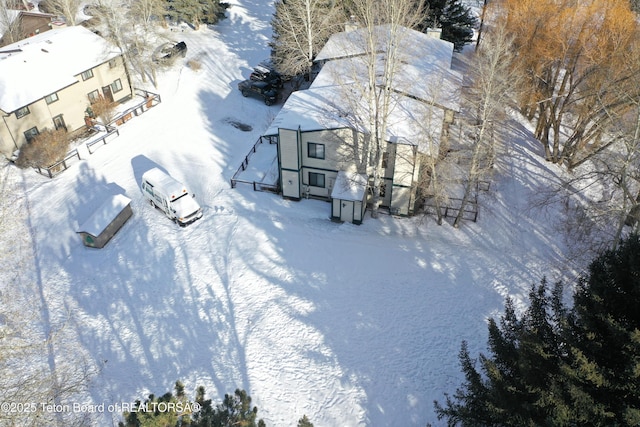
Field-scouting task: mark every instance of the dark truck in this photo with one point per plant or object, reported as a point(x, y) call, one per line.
point(259, 89)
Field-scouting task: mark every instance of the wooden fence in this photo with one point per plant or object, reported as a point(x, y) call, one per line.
point(93, 145)
point(257, 186)
point(60, 166)
point(470, 212)
point(149, 100)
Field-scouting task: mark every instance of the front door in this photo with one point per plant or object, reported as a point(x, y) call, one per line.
point(347, 211)
point(106, 92)
point(58, 122)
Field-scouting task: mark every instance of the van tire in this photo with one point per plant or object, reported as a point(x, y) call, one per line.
point(153, 205)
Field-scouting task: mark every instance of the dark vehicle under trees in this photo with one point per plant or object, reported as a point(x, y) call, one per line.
point(259, 89)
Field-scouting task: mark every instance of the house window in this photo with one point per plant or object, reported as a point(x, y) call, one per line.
point(87, 75)
point(31, 133)
point(116, 86)
point(315, 151)
point(51, 98)
point(113, 63)
point(93, 96)
point(22, 112)
point(316, 179)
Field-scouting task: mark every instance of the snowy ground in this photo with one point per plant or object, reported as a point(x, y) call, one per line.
point(350, 325)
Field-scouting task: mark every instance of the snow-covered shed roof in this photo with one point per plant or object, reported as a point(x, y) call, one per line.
point(349, 186)
point(104, 215)
point(43, 64)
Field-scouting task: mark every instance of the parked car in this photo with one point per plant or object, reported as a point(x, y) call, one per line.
point(170, 50)
point(259, 89)
point(264, 73)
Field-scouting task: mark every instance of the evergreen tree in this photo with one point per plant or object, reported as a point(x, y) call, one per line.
point(235, 410)
point(455, 19)
point(606, 321)
point(304, 422)
point(554, 366)
point(521, 384)
point(196, 12)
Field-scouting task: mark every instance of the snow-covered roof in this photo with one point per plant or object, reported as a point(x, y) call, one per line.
point(410, 121)
point(48, 62)
point(430, 81)
point(349, 186)
point(414, 45)
point(423, 86)
point(104, 215)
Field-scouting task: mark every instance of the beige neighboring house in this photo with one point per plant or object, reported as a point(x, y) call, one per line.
point(320, 130)
point(48, 81)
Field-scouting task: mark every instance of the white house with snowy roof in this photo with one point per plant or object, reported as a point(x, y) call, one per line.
point(47, 82)
point(320, 131)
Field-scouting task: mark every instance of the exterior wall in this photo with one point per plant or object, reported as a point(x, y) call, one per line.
point(299, 168)
point(32, 24)
point(289, 163)
point(338, 155)
point(71, 106)
point(405, 174)
point(106, 235)
point(347, 210)
point(400, 200)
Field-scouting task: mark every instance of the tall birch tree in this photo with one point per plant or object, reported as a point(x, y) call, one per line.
point(66, 8)
point(494, 78)
point(10, 28)
point(373, 93)
point(300, 29)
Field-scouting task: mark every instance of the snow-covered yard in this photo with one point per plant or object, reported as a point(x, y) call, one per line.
point(350, 325)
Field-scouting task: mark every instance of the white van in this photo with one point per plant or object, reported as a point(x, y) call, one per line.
point(171, 197)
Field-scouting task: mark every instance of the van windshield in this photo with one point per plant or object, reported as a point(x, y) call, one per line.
point(180, 197)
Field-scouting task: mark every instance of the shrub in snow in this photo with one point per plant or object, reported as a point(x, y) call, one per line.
point(44, 150)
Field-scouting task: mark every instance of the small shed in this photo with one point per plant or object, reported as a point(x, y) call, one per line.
point(106, 221)
point(349, 197)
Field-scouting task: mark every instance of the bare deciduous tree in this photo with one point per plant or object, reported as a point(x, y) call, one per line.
point(301, 28)
point(121, 24)
point(568, 49)
point(67, 8)
point(494, 78)
point(10, 28)
point(373, 91)
point(104, 109)
point(38, 368)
